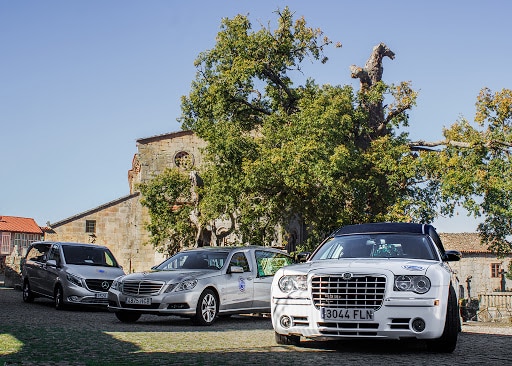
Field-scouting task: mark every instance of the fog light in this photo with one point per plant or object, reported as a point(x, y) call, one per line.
point(73, 298)
point(418, 325)
point(286, 321)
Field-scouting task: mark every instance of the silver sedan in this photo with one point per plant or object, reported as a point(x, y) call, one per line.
point(201, 284)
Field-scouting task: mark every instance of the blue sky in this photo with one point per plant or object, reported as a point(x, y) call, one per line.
point(81, 81)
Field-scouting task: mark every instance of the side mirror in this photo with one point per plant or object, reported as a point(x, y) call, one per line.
point(452, 256)
point(51, 263)
point(235, 269)
point(302, 257)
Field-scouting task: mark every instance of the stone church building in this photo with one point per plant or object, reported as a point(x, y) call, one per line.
point(119, 224)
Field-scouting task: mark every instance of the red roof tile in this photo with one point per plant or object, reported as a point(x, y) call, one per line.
point(19, 225)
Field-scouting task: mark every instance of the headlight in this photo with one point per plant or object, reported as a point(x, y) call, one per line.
point(117, 285)
point(418, 284)
point(184, 285)
point(74, 279)
point(292, 283)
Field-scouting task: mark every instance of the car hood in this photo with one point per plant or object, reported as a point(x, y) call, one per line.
point(92, 272)
point(170, 276)
point(335, 266)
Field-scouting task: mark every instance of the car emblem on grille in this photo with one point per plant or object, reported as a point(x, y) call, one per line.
point(105, 285)
point(346, 276)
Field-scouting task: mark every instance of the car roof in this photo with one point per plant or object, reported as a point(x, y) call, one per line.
point(384, 227)
point(69, 244)
point(233, 248)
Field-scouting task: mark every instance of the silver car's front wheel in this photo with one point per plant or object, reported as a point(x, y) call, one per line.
point(207, 308)
point(28, 296)
point(58, 298)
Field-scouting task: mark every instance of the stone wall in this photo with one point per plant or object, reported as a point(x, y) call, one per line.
point(119, 226)
point(478, 266)
point(155, 154)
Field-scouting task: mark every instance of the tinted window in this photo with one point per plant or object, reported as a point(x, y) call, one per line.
point(195, 260)
point(54, 254)
point(240, 260)
point(269, 262)
point(38, 252)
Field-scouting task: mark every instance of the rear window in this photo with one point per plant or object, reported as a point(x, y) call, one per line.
point(269, 262)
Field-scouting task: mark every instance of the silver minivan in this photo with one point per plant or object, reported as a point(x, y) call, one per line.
point(69, 273)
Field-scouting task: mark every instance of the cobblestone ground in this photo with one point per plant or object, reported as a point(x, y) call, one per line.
point(32, 334)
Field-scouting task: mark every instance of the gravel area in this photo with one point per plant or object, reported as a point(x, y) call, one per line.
point(37, 334)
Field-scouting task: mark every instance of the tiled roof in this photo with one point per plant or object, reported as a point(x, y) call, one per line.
point(463, 242)
point(19, 225)
point(91, 211)
point(164, 136)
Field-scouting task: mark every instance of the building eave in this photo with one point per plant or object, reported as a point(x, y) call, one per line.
point(94, 210)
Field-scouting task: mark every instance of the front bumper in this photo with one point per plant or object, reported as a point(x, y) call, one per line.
point(397, 318)
point(176, 303)
point(80, 296)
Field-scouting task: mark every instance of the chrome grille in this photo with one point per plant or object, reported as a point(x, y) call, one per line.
point(142, 287)
point(98, 285)
point(365, 291)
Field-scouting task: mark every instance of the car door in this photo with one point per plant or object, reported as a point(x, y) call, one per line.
point(50, 273)
point(267, 264)
point(238, 290)
point(33, 265)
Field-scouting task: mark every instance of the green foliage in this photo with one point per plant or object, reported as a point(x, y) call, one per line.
point(478, 175)
point(278, 152)
point(167, 198)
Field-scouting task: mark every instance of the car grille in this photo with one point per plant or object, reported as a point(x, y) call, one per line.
point(349, 329)
point(94, 301)
point(364, 292)
point(98, 285)
point(142, 287)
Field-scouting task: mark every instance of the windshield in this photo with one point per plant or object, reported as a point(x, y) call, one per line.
point(90, 256)
point(195, 260)
point(377, 246)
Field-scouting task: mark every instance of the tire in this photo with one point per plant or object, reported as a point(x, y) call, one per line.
point(28, 296)
point(289, 340)
point(207, 308)
point(128, 316)
point(448, 340)
point(58, 298)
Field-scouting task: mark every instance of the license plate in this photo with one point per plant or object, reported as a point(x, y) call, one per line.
point(100, 295)
point(138, 300)
point(346, 314)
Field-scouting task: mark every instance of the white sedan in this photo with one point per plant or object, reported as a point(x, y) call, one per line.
point(372, 281)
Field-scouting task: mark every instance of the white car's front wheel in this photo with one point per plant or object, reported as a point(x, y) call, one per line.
point(448, 340)
point(284, 339)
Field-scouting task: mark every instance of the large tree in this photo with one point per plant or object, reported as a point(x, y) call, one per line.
point(278, 151)
point(281, 147)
